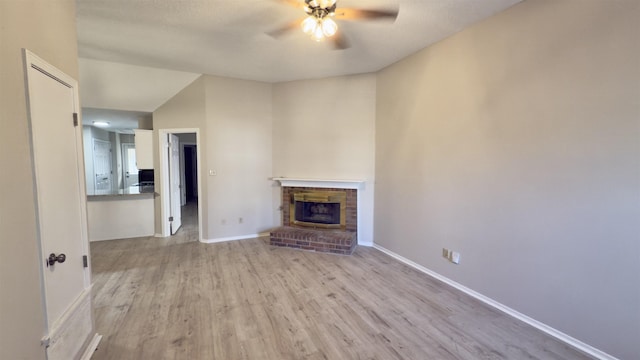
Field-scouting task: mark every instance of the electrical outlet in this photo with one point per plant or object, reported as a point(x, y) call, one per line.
point(455, 257)
point(240, 220)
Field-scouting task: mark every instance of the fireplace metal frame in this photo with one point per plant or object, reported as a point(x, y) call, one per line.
point(319, 196)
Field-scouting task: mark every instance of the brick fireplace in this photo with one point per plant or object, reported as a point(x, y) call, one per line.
point(318, 215)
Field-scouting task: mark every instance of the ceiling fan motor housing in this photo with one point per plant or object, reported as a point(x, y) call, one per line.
point(320, 8)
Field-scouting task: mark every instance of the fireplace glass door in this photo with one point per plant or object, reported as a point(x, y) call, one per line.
point(320, 209)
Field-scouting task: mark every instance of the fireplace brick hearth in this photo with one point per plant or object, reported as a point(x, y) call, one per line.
point(336, 241)
point(321, 240)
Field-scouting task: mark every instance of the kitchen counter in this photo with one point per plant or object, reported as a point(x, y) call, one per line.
point(121, 214)
point(132, 192)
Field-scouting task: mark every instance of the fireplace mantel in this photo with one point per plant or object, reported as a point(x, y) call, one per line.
point(320, 183)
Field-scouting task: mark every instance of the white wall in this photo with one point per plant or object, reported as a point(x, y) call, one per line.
point(234, 118)
point(516, 143)
point(120, 218)
point(238, 149)
point(189, 138)
point(48, 29)
point(325, 129)
point(185, 110)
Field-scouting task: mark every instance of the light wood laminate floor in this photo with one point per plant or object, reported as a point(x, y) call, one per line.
point(176, 298)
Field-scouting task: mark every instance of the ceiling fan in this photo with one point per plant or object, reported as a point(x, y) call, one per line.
point(319, 23)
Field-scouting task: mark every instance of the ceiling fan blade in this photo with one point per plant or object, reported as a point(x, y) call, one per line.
point(361, 14)
point(294, 3)
point(340, 42)
point(276, 33)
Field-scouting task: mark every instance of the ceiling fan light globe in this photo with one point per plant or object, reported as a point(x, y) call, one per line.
point(318, 34)
point(329, 27)
point(309, 25)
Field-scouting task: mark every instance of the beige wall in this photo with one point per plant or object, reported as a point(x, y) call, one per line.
point(47, 28)
point(516, 143)
point(325, 129)
point(185, 110)
point(234, 118)
point(239, 151)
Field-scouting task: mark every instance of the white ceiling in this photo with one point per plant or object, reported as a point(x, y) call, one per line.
point(109, 85)
point(228, 37)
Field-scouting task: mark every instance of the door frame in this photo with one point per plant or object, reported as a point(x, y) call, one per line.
point(175, 190)
point(163, 172)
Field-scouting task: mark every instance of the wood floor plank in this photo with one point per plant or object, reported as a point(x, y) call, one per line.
point(176, 298)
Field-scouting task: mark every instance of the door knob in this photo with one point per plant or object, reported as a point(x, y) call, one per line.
point(53, 258)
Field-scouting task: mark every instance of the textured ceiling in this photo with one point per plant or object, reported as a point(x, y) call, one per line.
point(228, 37)
point(109, 85)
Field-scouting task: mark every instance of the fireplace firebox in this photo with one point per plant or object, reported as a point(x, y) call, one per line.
point(318, 209)
point(318, 219)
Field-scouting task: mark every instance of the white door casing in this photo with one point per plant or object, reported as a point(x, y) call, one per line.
point(162, 183)
point(174, 183)
point(56, 141)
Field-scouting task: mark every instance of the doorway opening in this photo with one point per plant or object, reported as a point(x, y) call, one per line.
point(179, 189)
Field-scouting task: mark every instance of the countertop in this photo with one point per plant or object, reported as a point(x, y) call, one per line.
point(130, 193)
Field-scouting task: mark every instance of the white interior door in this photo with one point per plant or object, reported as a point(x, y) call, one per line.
point(174, 183)
point(129, 164)
point(60, 194)
point(102, 165)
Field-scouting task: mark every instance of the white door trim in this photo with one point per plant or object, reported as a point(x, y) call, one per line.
point(163, 173)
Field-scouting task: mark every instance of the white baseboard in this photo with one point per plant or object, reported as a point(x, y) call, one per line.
point(233, 238)
point(91, 348)
point(365, 243)
point(586, 348)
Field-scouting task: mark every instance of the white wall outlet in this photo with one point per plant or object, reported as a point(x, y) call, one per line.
point(455, 257)
point(240, 220)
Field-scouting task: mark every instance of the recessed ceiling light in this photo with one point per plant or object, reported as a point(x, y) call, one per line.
point(101, 124)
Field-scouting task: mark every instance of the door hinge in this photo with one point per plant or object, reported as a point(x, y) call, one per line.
point(170, 218)
point(85, 261)
point(75, 119)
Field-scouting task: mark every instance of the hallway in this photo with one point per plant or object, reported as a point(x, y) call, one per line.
point(189, 229)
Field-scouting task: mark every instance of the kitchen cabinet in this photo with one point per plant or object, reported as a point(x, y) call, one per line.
point(144, 148)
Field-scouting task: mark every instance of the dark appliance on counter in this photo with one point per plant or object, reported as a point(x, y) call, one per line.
point(145, 180)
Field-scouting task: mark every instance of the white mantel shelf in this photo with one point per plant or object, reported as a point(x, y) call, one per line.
point(320, 183)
